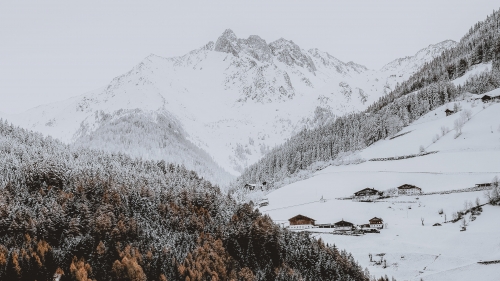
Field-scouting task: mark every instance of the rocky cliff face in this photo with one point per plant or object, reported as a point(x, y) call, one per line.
point(290, 54)
point(254, 46)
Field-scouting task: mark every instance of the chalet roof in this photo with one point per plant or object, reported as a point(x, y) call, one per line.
point(343, 223)
point(376, 219)
point(449, 110)
point(408, 186)
point(367, 190)
point(300, 217)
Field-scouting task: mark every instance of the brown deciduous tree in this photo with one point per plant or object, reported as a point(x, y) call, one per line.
point(129, 268)
point(206, 262)
point(80, 270)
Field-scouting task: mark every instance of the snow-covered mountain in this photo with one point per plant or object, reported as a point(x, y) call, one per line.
point(235, 98)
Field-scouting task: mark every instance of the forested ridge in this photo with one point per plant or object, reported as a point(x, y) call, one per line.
point(481, 44)
point(90, 215)
point(427, 89)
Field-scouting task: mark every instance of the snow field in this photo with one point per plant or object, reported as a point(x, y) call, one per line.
point(477, 69)
point(412, 251)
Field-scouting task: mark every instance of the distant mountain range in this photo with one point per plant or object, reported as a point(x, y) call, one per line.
point(221, 107)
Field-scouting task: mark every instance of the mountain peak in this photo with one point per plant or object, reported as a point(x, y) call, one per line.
point(227, 43)
point(290, 53)
point(254, 46)
point(229, 34)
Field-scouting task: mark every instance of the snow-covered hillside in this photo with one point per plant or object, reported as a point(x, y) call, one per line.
point(474, 70)
point(464, 158)
point(411, 64)
point(235, 98)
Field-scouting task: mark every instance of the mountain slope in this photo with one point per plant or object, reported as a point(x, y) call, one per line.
point(412, 64)
point(413, 247)
point(234, 98)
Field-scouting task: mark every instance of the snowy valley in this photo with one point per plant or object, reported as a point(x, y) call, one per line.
point(250, 159)
point(411, 246)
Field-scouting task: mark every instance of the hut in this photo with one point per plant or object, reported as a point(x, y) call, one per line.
point(449, 112)
point(486, 98)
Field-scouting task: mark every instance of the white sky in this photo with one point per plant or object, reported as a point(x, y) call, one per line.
point(52, 50)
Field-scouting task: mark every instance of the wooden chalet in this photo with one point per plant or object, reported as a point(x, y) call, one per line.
point(486, 98)
point(376, 223)
point(449, 112)
point(408, 189)
point(343, 225)
point(483, 184)
point(367, 192)
point(301, 222)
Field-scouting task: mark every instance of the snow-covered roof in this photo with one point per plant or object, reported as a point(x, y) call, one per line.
point(376, 219)
point(300, 217)
point(367, 190)
point(343, 223)
point(495, 93)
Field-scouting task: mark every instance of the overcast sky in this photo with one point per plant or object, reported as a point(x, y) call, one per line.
point(53, 50)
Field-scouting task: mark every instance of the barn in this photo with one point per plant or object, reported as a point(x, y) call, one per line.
point(301, 222)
